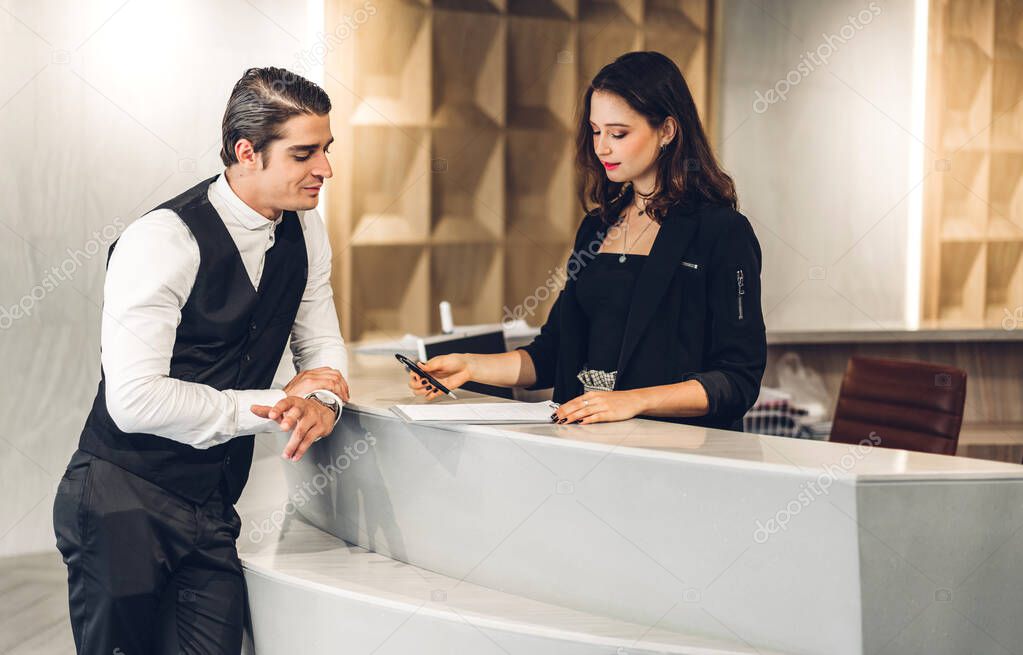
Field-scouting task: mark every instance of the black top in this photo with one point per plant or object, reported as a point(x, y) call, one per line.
point(694, 314)
point(604, 288)
point(231, 336)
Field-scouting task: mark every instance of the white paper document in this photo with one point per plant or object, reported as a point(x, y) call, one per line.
point(477, 412)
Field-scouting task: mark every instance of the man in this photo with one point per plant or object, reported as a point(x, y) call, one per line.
point(201, 295)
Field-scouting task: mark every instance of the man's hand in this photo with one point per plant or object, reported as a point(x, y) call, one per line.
point(315, 379)
point(307, 420)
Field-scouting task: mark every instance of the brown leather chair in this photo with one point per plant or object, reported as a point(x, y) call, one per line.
point(909, 405)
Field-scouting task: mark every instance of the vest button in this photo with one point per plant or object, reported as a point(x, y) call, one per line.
point(248, 358)
point(252, 326)
point(227, 461)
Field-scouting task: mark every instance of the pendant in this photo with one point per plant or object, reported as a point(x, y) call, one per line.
point(621, 258)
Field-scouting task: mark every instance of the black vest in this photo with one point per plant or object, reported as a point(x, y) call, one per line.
point(230, 337)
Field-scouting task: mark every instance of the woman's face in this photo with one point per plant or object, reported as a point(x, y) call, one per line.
point(623, 140)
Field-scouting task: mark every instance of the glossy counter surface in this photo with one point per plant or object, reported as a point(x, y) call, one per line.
point(776, 544)
point(378, 383)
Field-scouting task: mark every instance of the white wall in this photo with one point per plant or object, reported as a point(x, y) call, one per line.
point(824, 174)
point(106, 110)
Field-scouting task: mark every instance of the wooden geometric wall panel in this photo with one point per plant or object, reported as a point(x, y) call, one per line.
point(455, 125)
point(974, 197)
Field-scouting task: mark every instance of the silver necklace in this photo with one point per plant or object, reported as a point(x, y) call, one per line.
point(625, 239)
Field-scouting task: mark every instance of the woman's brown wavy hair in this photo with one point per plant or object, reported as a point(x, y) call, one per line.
point(686, 170)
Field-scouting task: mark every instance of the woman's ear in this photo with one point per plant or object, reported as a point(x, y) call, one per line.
point(669, 130)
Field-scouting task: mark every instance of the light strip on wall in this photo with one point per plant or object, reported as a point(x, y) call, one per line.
point(314, 18)
point(314, 22)
point(918, 116)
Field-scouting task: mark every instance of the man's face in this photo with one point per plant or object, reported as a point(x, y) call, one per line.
point(296, 164)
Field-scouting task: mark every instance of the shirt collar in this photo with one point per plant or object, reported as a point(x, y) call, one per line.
point(245, 215)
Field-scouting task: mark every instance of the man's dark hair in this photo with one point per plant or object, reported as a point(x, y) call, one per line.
point(261, 101)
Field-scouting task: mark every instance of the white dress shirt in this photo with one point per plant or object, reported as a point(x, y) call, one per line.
point(149, 278)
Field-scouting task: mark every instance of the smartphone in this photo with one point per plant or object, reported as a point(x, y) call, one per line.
point(412, 367)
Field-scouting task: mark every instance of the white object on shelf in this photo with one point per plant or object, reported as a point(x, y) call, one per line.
point(447, 324)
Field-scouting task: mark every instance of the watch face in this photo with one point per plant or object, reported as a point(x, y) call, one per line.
point(328, 401)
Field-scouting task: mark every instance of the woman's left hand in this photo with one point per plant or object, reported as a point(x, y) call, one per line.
point(600, 407)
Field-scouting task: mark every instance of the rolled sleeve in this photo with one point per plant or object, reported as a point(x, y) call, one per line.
point(737, 352)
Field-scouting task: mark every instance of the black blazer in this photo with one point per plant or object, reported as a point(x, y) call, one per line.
point(695, 315)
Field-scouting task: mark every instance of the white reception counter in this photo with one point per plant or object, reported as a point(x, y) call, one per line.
point(632, 537)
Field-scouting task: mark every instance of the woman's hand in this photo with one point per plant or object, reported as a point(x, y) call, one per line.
point(450, 370)
point(601, 407)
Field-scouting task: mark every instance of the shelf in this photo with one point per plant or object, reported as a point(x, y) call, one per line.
point(392, 297)
point(540, 182)
point(939, 333)
point(1006, 194)
point(468, 96)
point(456, 124)
point(392, 197)
point(1007, 108)
point(977, 48)
point(966, 68)
point(469, 277)
point(467, 185)
point(541, 77)
point(685, 44)
point(559, 9)
point(1004, 289)
point(601, 43)
point(686, 16)
point(534, 275)
point(961, 291)
point(1008, 32)
point(972, 20)
point(608, 12)
point(393, 83)
point(964, 196)
point(473, 6)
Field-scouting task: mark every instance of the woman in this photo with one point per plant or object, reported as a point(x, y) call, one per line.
point(662, 319)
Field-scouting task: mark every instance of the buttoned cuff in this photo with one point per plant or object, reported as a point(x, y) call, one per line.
point(249, 423)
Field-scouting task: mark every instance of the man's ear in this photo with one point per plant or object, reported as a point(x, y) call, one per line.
point(245, 154)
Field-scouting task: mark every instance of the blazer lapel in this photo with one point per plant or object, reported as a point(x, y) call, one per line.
point(675, 235)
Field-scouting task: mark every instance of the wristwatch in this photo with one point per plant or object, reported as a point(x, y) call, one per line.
point(328, 400)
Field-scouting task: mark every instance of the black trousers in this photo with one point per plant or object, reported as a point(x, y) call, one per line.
point(148, 572)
